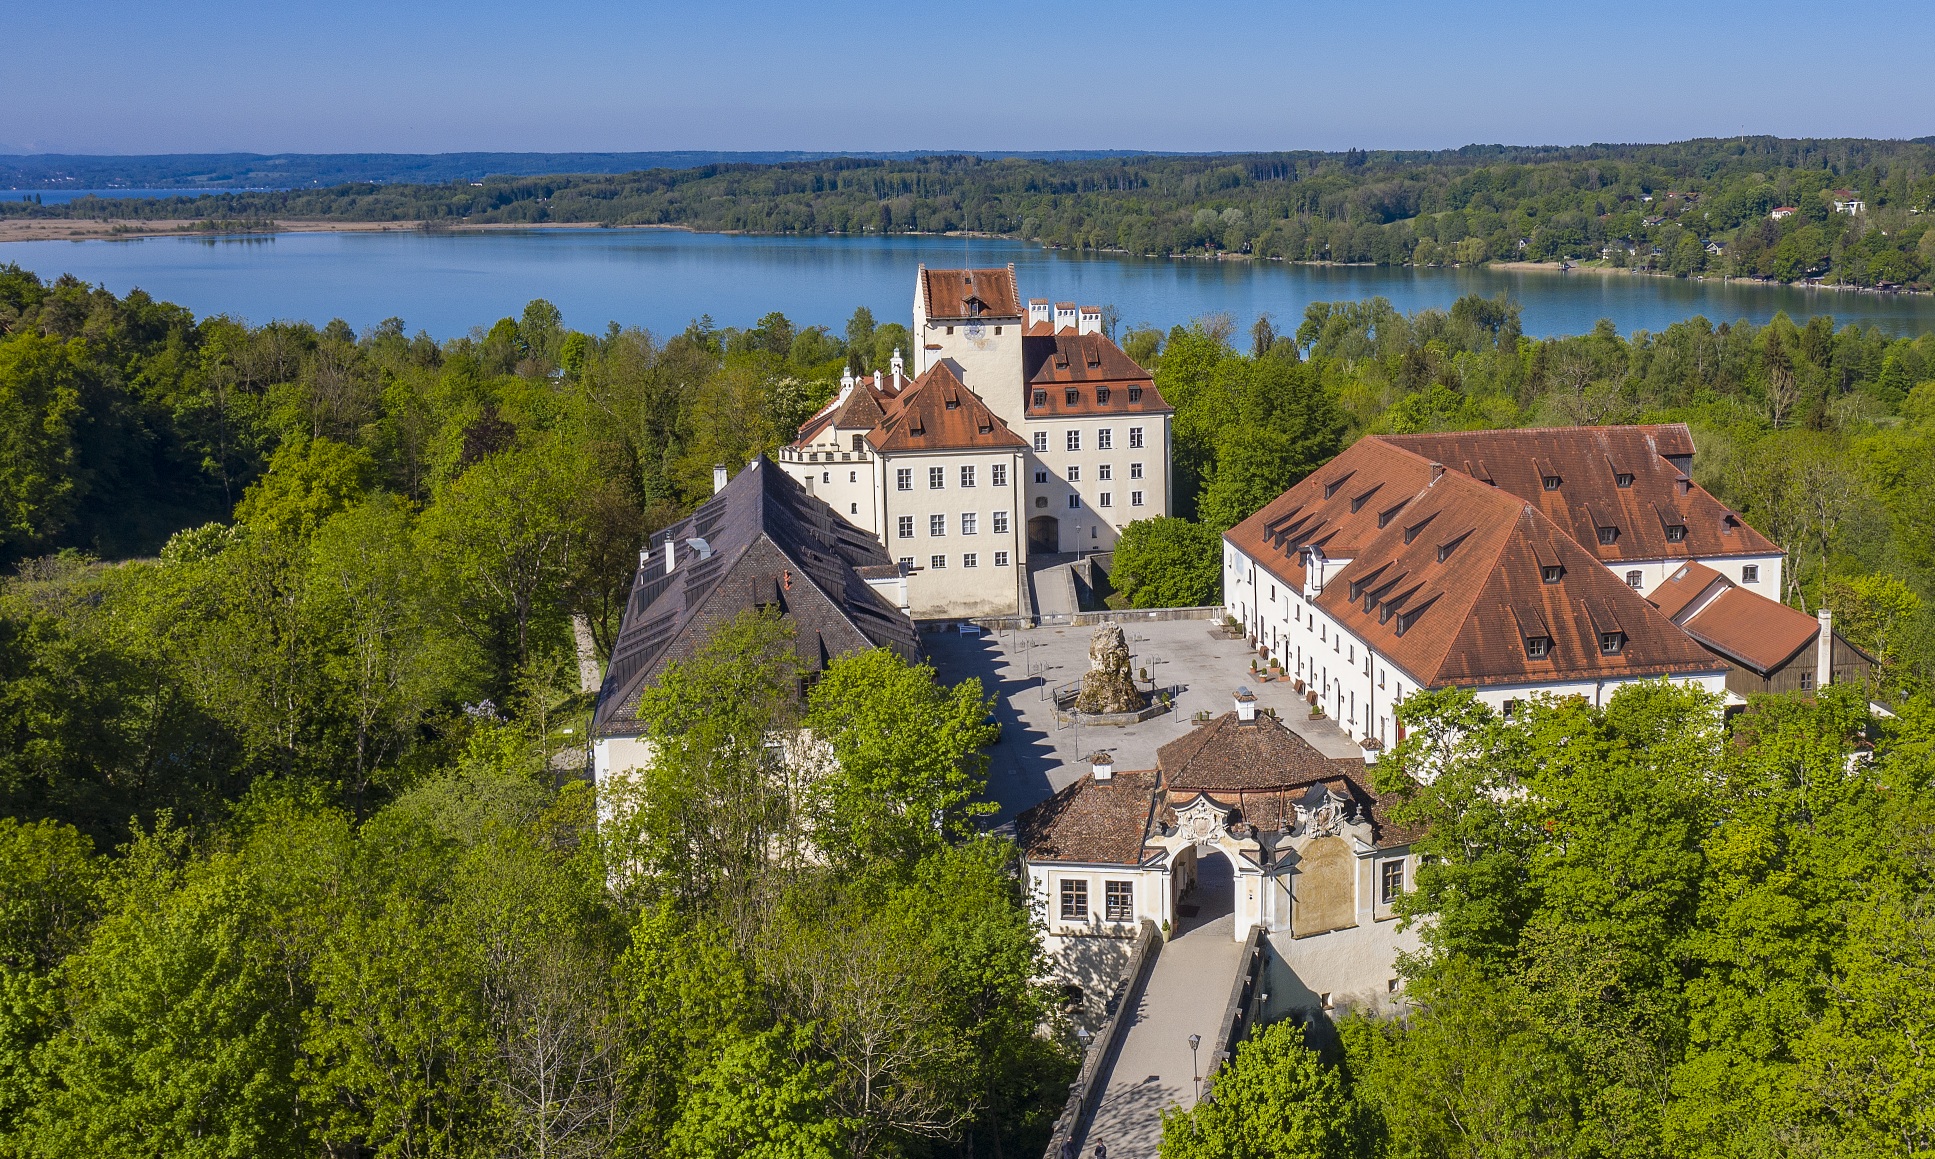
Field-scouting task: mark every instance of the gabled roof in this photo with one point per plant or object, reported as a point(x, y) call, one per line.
point(1453, 588)
point(1088, 365)
point(1338, 508)
point(859, 409)
point(1683, 588)
point(1751, 629)
point(1097, 822)
point(762, 541)
point(1586, 461)
point(1231, 755)
point(954, 294)
point(939, 413)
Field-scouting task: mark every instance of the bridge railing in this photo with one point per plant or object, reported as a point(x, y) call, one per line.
point(1085, 1093)
point(1244, 1008)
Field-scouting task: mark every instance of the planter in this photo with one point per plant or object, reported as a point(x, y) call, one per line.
point(1298, 686)
point(1310, 698)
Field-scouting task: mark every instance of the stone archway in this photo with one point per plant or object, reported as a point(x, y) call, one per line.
point(1206, 881)
point(1044, 535)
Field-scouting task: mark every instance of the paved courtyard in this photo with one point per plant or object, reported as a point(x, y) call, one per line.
point(1037, 756)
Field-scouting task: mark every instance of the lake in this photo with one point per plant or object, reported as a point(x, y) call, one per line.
point(447, 283)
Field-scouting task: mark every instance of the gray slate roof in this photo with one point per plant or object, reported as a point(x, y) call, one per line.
point(767, 543)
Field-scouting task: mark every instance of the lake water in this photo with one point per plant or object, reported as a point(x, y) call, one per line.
point(661, 279)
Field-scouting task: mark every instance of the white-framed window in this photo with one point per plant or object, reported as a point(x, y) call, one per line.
point(1074, 502)
point(1135, 438)
point(1105, 472)
point(1750, 573)
point(1105, 439)
point(1074, 899)
point(1001, 559)
point(1074, 440)
point(1634, 579)
point(903, 479)
point(1041, 440)
point(906, 527)
point(937, 525)
point(998, 475)
point(1390, 882)
point(1074, 474)
point(1135, 470)
point(937, 562)
point(967, 476)
point(936, 478)
point(906, 561)
point(1135, 498)
point(1001, 523)
point(970, 559)
point(1105, 499)
point(1118, 901)
point(970, 523)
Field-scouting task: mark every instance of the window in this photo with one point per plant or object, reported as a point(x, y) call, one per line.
point(1675, 532)
point(997, 331)
point(1071, 397)
point(1273, 593)
point(1390, 882)
point(1074, 474)
point(1750, 573)
point(859, 443)
point(1041, 440)
point(904, 479)
point(1105, 471)
point(1001, 559)
point(1608, 534)
point(1551, 573)
point(1610, 643)
point(970, 523)
point(950, 329)
point(1105, 439)
point(998, 475)
point(853, 509)
point(906, 527)
point(1074, 900)
point(1041, 398)
point(1118, 901)
point(937, 562)
point(1622, 480)
point(826, 476)
point(1074, 439)
point(1135, 470)
point(1101, 394)
point(936, 478)
point(1041, 476)
point(1105, 499)
point(1135, 438)
point(1074, 502)
point(937, 525)
point(853, 476)
point(1135, 498)
point(1537, 647)
point(1807, 682)
point(906, 561)
point(1511, 709)
point(967, 476)
point(1135, 394)
point(1635, 580)
point(1001, 523)
point(1551, 482)
point(970, 559)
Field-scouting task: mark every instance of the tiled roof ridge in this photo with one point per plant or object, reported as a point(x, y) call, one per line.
point(1501, 431)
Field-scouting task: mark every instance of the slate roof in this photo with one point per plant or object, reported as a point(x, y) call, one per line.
point(769, 544)
point(1751, 629)
point(1100, 822)
point(951, 294)
point(1229, 754)
point(1586, 461)
point(939, 413)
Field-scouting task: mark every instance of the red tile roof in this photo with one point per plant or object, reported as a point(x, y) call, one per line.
point(1337, 508)
point(1229, 754)
point(955, 293)
point(1585, 461)
point(1087, 364)
point(1682, 588)
point(1102, 822)
point(1752, 629)
point(939, 413)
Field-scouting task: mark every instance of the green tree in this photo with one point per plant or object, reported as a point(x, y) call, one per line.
point(1274, 1100)
point(1168, 563)
point(762, 1097)
point(41, 478)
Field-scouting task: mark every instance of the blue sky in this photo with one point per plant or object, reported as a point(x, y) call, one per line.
point(112, 76)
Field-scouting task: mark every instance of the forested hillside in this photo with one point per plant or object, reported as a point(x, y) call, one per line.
point(1655, 207)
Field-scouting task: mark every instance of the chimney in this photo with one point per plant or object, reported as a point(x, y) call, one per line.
point(718, 477)
point(1064, 316)
point(1824, 650)
point(876, 379)
point(1245, 705)
point(1091, 320)
point(1437, 471)
point(1102, 765)
point(898, 365)
point(671, 553)
point(1039, 312)
point(644, 555)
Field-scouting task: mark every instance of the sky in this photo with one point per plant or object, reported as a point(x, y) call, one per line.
point(176, 76)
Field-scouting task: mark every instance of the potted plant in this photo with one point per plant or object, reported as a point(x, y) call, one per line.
point(1316, 712)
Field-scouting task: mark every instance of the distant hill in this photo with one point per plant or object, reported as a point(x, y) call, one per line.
point(321, 170)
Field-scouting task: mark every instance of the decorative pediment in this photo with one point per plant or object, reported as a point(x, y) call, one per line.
point(1202, 822)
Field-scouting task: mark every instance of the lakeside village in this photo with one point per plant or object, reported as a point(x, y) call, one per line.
point(1190, 787)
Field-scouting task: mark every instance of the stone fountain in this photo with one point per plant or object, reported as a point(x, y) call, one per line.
point(1108, 687)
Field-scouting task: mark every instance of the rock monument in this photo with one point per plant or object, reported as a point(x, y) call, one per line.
point(1108, 687)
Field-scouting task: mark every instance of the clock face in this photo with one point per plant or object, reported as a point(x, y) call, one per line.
point(975, 330)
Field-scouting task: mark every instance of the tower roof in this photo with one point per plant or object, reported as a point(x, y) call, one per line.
point(984, 293)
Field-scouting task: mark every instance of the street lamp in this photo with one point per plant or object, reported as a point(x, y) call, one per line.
point(1195, 1071)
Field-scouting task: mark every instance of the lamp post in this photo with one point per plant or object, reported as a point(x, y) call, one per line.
point(1195, 1071)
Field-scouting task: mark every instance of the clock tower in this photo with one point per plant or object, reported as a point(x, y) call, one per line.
point(973, 320)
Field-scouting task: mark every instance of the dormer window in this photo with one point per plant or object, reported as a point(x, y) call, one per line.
point(1551, 482)
point(1101, 394)
point(1551, 573)
point(1041, 398)
point(1675, 532)
point(1538, 647)
point(1622, 480)
point(1608, 535)
point(1406, 619)
point(1331, 488)
point(1611, 643)
point(1135, 394)
point(1071, 397)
